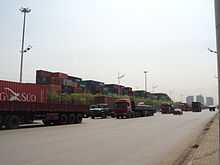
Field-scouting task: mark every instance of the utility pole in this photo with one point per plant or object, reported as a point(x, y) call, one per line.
point(25, 11)
point(119, 78)
point(145, 80)
point(217, 23)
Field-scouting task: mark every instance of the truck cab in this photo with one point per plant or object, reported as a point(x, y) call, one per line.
point(127, 108)
point(123, 108)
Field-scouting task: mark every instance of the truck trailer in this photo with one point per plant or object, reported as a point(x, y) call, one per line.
point(196, 107)
point(22, 103)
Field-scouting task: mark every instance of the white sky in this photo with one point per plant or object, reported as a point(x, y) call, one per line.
point(96, 39)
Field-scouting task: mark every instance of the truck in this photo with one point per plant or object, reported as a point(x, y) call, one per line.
point(196, 107)
point(126, 108)
point(22, 103)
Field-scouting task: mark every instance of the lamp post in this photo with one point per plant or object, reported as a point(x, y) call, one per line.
point(119, 78)
point(217, 23)
point(145, 80)
point(25, 11)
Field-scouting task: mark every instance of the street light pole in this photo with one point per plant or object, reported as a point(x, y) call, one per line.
point(145, 80)
point(23, 10)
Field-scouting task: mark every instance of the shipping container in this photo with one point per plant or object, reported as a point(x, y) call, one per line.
point(56, 81)
point(54, 89)
point(43, 77)
point(75, 79)
point(104, 100)
point(25, 92)
point(60, 75)
point(68, 82)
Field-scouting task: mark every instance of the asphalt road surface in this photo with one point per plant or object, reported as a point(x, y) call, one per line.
point(155, 140)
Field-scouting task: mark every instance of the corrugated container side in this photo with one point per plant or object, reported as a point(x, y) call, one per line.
point(56, 89)
point(24, 92)
point(43, 77)
point(60, 75)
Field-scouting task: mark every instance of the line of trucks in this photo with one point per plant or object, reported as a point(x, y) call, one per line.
point(22, 103)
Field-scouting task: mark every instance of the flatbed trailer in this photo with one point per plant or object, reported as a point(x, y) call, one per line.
point(13, 113)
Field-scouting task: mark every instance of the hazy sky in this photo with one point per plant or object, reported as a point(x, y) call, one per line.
point(96, 39)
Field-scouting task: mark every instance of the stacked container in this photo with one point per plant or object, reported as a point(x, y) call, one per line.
point(43, 77)
point(94, 87)
point(127, 91)
point(58, 82)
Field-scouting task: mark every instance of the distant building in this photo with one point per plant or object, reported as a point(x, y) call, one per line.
point(200, 98)
point(189, 99)
point(209, 101)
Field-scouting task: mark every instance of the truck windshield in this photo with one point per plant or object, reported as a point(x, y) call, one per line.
point(93, 106)
point(120, 105)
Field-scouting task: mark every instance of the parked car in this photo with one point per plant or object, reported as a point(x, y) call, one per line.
point(99, 110)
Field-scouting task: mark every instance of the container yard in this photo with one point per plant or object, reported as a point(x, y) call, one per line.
point(58, 98)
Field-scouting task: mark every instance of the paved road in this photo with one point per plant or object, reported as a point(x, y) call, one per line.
point(139, 141)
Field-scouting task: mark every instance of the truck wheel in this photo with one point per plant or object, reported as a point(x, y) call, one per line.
point(12, 122)
point(93, 117)
point(78, 118)
point(1, 121)
point(133, 115)
point(72, 118)
point(104, 116)
point(63, 118)
point(46, 122)
point(117, 116)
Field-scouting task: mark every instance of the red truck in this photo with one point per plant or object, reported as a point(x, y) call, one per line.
point(127, 108)
point(22, 103)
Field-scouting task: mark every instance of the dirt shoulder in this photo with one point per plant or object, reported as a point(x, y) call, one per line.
point(205, 151)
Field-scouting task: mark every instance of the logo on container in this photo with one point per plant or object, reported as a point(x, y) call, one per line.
point(10, 95)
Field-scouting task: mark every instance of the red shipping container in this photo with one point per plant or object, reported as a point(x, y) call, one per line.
point(54, 89)
point(60, 75)
point(43, 73)
point(57, 81)
point(104, 100)
point(24, 92)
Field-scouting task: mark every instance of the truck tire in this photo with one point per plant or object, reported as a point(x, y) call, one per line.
point(72, 118)
point(93, 117)
point(104, 116)
point(46, 122)
point(12, 122)
point(79, 118)
point(1, 121)
point(63, 119)
point(128, 115)
point(117, 117)
point(133, 115)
